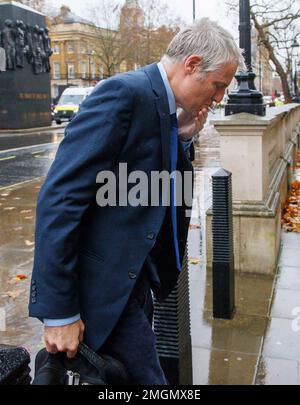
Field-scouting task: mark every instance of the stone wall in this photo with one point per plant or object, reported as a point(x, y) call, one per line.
point(260, 153)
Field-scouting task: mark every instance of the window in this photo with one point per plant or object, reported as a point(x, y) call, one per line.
point(71, 99)
point(55, 92)
point(56, 49)
point(70, 47)
point(100, 72)
point(56, 70)
point(92, 70)
point(83, 70)
point(93, 74)
point(71, 71)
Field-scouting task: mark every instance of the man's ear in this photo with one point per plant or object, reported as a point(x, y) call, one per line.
point(193, 64)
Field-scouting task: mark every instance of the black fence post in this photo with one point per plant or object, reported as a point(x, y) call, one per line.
point(223, 253)
point(172, 329)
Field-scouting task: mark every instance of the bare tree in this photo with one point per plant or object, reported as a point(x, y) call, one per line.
point(159, 28)
point(277, 26)
point(137, 36)
point(109, 47)
point(38, 5)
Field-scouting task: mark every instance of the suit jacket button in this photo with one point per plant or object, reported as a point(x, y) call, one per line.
point(33, 300)
point(151, 235)
point(33, 288)
point(33, 294)
point(132, 275)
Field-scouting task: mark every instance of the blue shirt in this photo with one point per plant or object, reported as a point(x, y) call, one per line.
point(171, 99)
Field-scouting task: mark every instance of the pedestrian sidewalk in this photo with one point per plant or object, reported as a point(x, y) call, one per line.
point(17, 218)
point(260, 345)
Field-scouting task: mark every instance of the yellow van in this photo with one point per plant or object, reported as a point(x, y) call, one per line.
point(69, 102)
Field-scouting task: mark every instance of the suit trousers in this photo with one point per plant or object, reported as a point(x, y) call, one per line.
point(133, 341)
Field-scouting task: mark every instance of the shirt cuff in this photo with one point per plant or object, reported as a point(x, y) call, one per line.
point(61, 322)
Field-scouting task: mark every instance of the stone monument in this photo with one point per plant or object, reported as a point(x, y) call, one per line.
point(25, 98)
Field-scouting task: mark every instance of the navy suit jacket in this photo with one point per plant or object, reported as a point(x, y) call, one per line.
point(87, 258)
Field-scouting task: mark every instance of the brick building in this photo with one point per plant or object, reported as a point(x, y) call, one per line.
point(74, 60)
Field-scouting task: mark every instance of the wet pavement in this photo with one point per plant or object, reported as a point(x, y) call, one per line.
point(14, 141)
point(28, 162)
point(17, 216)
point(260, 345)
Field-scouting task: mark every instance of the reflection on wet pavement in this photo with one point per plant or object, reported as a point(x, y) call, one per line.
point(224, 351)
point(263, 337)
point(25, 164)
point(16, 258)
point(13, 141)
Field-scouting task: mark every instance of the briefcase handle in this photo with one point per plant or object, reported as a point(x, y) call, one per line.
point(91, 356)
point(103, 363)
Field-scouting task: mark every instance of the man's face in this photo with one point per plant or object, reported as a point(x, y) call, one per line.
point(195, 94)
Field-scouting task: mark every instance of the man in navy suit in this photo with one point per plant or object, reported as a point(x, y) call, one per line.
point(94, 265)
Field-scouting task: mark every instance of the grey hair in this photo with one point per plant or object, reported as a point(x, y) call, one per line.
point(208, 39)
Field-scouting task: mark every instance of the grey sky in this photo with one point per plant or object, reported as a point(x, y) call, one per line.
point(215, 9)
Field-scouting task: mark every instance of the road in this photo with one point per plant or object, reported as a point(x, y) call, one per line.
point(26, 157)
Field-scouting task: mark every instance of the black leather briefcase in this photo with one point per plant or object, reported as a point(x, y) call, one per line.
point(14, 366)
point(87, 368)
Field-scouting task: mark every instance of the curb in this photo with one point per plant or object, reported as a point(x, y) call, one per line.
point(21, 184)
point(31, 130)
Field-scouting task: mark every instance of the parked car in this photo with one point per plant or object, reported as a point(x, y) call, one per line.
point(69, 103)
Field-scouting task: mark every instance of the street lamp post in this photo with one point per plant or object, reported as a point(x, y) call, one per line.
point(297, 71)
point(295, 49)
point(245, 98)
point(90, 54)
point(67, 74)
point(194, 10)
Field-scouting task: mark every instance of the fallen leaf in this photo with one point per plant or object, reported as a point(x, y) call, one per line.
point(192, 226)
point(21, 277)
point(12, 281)
point(28, 243)
point(25, 211)
point(193, 260)
point(14, 294)
point(291, 212)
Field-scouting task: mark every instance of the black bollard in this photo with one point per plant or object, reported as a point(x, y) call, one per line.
point(223, 254)
point(172, 329)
